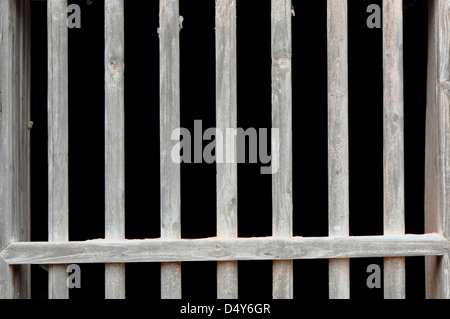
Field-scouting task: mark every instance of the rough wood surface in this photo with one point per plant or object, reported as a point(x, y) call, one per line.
point(8, 288)
point(24, 136)
point(282, 119)
point(226, 117)
point(437, 163)
point(169, 120)
point(14, 169)
point(114, 141)
point(58, 139)
point(214, 249)
point(393, 144)
point(338, 170)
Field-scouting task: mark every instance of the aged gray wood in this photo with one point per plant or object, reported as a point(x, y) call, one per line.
point(434, 270)
point(226, 117)
point(433, 192)
point(24, 136)
point(393, 145)
point(8, 105)
point(14, 71)
point(58, 133)
point(169, 120)
point(437, 163)
point(338, 172)
point(214, 249)
point(283, 287)
point(114, 141)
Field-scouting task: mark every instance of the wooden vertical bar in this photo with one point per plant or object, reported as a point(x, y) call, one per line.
point(393, 146)
point(338, 162)
point(8, 106)
point(226, 117)
point(58, 133)
point(169, 121)
point(437, 163)
point(282, 119)
point(114, 141)
point(14, 217)
point(24, 135)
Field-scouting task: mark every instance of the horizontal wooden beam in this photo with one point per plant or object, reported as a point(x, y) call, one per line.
point(213, 249)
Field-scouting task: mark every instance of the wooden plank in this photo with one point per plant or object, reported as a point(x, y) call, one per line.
point(281, 11)
point(11, 206)
point(169, 120)
point(226, 117)
point(393, 143)
point(214, 249)
point(24, 137)
point(437, 163)
point(7, 126)
point(433, 212)
point(14, 77)
point(114, 141)
point(338, 167)
point(58, 133)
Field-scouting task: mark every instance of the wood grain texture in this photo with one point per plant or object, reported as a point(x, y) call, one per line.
point(282, 205)
point(214, 249)
point(437, 162)
point(24, 138)
point(14, 169)
point(169, 120)
point(8, 105)
point(393, 142)
point(58, 139)
point(226, 117)
point(338, 167)
point(114, 141)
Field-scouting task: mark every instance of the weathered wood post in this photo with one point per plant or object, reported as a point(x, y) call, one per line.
point(14, 141)
point(437, 163)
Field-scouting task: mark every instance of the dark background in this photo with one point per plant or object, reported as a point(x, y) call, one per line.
point(197, 40)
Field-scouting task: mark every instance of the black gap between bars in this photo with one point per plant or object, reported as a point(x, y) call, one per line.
point(254, 111)
point(86, 124)
point(197, 85)
point(309, 122)
point(142, 151)
point(365, 121)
